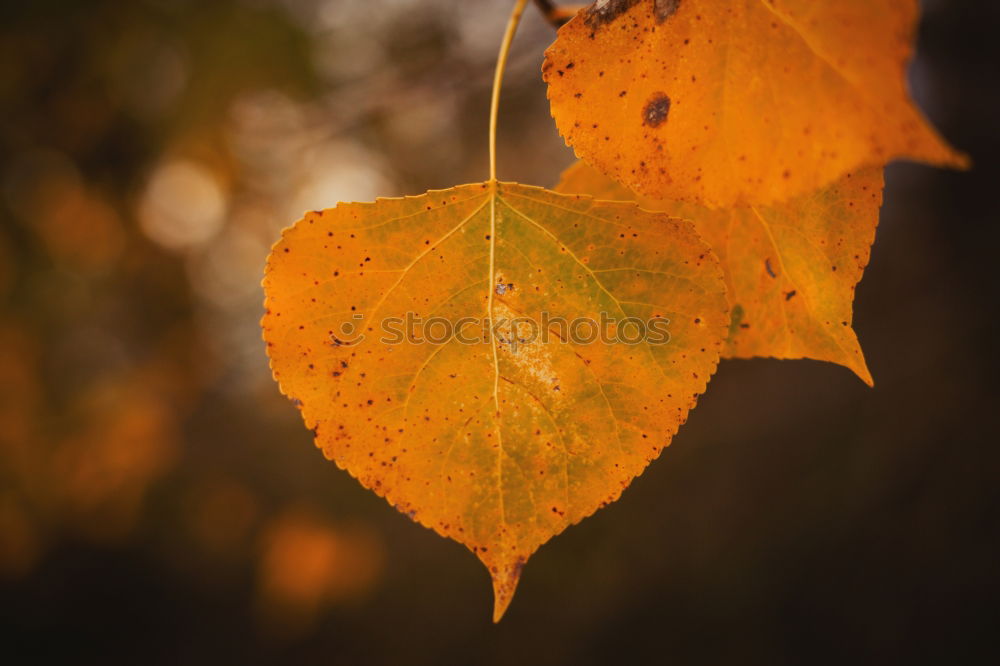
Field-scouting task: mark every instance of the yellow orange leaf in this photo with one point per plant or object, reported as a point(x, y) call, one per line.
point(791, 268)
point(747, 101)
point(498, 439)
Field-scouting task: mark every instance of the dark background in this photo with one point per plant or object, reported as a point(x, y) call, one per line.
point(160, 503)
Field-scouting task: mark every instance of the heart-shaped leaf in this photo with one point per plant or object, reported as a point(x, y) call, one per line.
point(498, 434)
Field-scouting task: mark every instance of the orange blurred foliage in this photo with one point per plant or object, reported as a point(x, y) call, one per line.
point(307, 564)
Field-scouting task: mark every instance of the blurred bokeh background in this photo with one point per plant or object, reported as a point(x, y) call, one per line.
point(161, 503)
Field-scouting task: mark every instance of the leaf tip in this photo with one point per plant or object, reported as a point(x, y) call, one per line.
point(860, 368)
point(960, 161)
point(505, 579)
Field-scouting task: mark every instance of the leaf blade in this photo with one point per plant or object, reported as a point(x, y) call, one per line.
point(743, 102)
point(497, 448)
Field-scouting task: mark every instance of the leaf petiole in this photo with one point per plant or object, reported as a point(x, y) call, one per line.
point(508, 37)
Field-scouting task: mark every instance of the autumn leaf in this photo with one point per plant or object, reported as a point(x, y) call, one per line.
point(750, 101)
point(498, 439)
point(790, 268)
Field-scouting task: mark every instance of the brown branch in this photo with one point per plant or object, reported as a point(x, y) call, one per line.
point(555, 15)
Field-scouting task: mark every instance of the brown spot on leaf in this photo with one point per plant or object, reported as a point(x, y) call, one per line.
point(603, 12)
point(656, 110)
point(664, 9)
